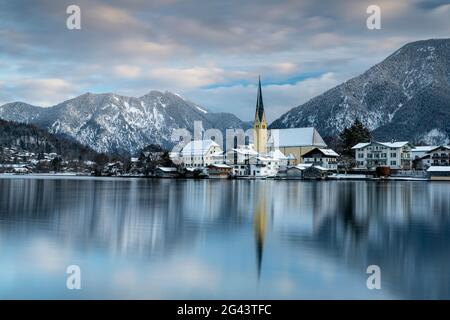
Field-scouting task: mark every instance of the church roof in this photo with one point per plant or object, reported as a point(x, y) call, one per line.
point(296, 137)
point(259, 103)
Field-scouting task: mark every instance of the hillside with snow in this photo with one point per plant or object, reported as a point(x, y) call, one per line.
point(119, 124)
point(405, 97)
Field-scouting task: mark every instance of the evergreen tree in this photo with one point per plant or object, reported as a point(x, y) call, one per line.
point(351, 136)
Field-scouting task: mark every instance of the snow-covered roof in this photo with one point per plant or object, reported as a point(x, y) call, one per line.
point(246, 151)
point(397, 144)
point(198, 147)
point(360, 145)
point(329, 152)
point(223, 166)
point(290, 156)
point(438, 147)
point(295, 137)
point(167, 169)
point(321, 168)
point(267, 159)
point(325, 152)
point(303, 166)
point(439, 169)
point(423, 148)
point(277, 154)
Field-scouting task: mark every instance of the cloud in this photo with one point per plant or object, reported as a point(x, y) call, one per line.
point(277, 98)
point(127, 71)
point(42, 92)
point(213, 50)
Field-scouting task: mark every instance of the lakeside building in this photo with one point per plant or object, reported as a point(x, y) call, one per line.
point(326, 158)
point(395, 155)
point(420, 151)
point(201, 153)
point(440, 156)
point(441, 173)
point(295, 142)
point(267, 152)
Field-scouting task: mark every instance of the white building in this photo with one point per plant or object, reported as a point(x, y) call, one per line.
point(248, 162)
point(326, 158)
point(201, 153)
point(396, 155)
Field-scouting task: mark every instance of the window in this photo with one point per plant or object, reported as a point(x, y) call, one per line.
point(393, 155)
point(393, 163)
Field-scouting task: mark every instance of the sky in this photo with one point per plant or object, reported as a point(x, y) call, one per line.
point(210, 52)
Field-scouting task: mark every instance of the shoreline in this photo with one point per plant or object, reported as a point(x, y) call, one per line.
point(244, 178)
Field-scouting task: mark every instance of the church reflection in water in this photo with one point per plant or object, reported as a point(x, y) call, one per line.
point(260, 224)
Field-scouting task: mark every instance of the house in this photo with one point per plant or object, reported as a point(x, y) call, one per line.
point(264, 166)
point(420, 151)
point(219, 171)
point(295, 142)
point(326, 158)
point(283, 161)
point(396, 155)
point(439, 173)
point(440, 156)
point(201, 153)
point(422, 163)
point(315, 172)
point(166, 172)
point(296, 172)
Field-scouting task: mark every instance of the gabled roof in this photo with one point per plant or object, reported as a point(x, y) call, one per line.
point(325, 152)
point(397, 144)
point(360, 145)
point(198, 147)
point(423, 148)
point(295, 137)
point(439, 147)
point(277, 154)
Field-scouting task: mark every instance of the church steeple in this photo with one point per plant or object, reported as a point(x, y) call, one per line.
point(260, 124)
point(259, 115)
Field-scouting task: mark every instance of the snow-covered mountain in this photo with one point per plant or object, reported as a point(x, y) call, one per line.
point(405, 97)
point(114, 123)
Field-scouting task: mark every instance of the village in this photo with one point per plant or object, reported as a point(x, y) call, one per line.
point(293, 153)
point(301, 153)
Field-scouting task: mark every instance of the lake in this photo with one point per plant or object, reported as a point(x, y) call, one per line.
point(223, 239)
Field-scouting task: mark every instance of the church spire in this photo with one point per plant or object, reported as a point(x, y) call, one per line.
point(259, 103)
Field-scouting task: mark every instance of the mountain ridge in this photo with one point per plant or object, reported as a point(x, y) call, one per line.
point(390, 98)
point(113, 123)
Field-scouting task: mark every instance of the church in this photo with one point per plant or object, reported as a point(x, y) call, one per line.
point(293, 143)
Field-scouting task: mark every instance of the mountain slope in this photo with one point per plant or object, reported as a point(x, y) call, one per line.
point(406, 96)
point(33, 139)
point(120, 124)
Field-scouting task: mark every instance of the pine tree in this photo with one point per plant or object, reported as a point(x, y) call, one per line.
point(351, 136)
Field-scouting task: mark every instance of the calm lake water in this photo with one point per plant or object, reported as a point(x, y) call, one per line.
point(186, 239)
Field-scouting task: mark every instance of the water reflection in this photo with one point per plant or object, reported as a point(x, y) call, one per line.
point(224, 239)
